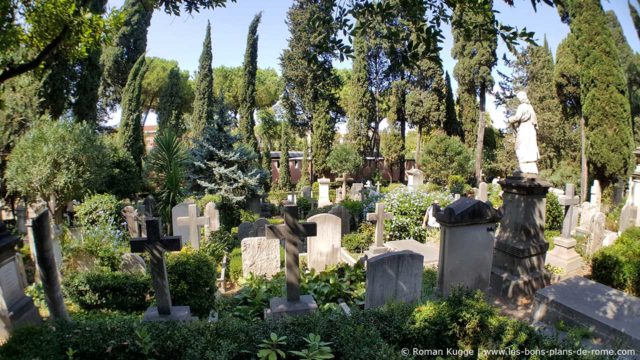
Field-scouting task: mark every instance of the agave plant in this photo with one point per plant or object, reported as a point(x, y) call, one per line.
point(167, 163)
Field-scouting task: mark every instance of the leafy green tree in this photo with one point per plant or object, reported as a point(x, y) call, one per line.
point(248, 89)
point(129, 43)
point(444, 156)
point(392, 148)
point(360, 107)
point(310, 84)
point(167, 165)
point(304, 172)
point(121, 178)
point(203, 104)
point(426, 101)
point(57, 162)
point(284, 173)
point(635, 17)
point(344, 159)
point(269, 130)
point(475, 51)
point(130, 130)
point(171, 104)
point(452, 126)
point(155, 82)
point(605, 105)
point(631, 66)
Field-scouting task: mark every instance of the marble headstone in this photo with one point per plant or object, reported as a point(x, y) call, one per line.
point(394, 276)
point(324, 248)
point(260, 256)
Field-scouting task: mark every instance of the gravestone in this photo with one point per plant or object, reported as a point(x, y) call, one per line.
point(415, 178)
point(355, 192)
point(260, 256)
point(627, 217)
point(47, 268)
point(306, 192)
point(594, 243)
point(584, 226)
point(130, 215)
point(156, 245)
point(482, 193)
point(21, 218)
point(16, 309)
point(292, 232)
point(345, 218)
point(150, 206)
point(323, 194)
point(564, 254)
point(467, 234)
point(395, 276)
point(211, 212)
point(611, 315)
point(133, 264)
point(324, 248)
point(180, 210)
point(575, 216)
point(252, 229)
point(379, 217)
point(596, 196)
point(520, 249)
point(292, 198)
point(191, 223)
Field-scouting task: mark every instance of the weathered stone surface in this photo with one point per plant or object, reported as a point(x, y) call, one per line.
point(260, 256)
point(323, 198)
point(482, 192)
point(355, 192)
point(394, 276)
point(178, 313)
point(324, 249)
point(305, 192)
point(597, 233)
point(564, 255)
point(611, 314)
point(133, 263)
point(177, 211)
point(379, 217)
point(627, 217)
point(415, 178)
point(130, 215)
point(345, 217)
point(189, 226)
point(213, 214)
point(280, 307)
point(429, 251)
point(252, 229)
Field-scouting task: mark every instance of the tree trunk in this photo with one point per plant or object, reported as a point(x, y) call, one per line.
point(584, 174)
point(480, 139)
point(418, 147)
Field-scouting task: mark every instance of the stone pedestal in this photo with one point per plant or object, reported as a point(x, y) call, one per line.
point(564, 256)
point(415, 177)
point(177, 313)
point(467, 231)
point(281, 307)
point(520, 249)
point(323, 192)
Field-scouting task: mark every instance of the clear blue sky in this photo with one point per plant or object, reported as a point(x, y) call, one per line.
point(180, 38)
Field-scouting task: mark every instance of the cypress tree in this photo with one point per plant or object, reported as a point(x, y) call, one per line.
point(170, 104)
point(361, 112)
point(451, 124)
point(130, 131)
point(266, 167)
point(203, 103)
point(475, 41)
point(129, 44)
point(307, 71)
point(248, 89)
point(631, 66)
point(635, 17)
point(556, 137)
point(605, 105)
point(304, 177)
point(284, 176)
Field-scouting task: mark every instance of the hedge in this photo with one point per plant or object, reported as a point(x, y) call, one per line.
point(618, 265)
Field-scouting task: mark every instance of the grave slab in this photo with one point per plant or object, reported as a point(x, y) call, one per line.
point(178, 313)
point(611, 314)
point(281, 307)
point(431, 252)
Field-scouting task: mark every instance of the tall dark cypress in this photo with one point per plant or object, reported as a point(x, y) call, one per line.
point(170, 104)
point(130, 131)
point(248, 89)
point(284, 176)
point(451, 124)
point(361, 112)
point(635, 17)
point(129, 44)
point(203, 103)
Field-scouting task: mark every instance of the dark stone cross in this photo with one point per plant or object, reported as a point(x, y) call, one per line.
point(568, 200)
point(156, 244)
point(292, 232)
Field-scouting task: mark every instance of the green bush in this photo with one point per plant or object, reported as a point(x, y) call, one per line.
point(192, 280)
point(444, 156)
point(554, 213)
point(235, 264)
point(99, 290)
point(457, 184)
point(104, 243)
point(99, 209)
point(494, 196)
point(361, 240)
point(339, 282)
point(408, 208)
point(618, 265)
point(217, 244)
point(304, 206)
point(121, 178)
point(356, 209)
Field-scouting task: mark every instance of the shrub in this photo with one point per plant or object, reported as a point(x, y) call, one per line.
point(494, 196)
point(339, 282)
point(444, 156)
point(217, 244)
point(408, 208)
point(98, 290)
point(618, 265)
point(361, 240)
point(235, 264)
point(99, 209)
point(457, 184)
point(121, 178)
point(554, 213)
point(304, 206)
point(254, 296)
point(356, 209)
point(192, 280)
point(103, 242)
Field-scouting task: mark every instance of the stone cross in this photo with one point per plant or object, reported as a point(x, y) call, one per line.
point(568, 200)
point(156, 245)
point(292, 232)
point(379, 217)
point(194, 222)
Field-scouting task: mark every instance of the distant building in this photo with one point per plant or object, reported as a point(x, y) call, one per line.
point(295, 168)
point(149, 133)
